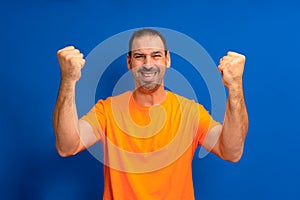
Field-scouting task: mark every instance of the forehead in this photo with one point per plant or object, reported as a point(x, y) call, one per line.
point(147, 42)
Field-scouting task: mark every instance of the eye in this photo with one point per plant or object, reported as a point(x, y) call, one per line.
point(139, 56)
point(157, 55)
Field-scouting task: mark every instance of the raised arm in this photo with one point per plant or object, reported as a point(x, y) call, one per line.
point(227, 141)
point(72, 135)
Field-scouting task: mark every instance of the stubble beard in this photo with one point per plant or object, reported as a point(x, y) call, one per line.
point(152, 85)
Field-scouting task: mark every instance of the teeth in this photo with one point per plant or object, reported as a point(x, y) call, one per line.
point(148, 74)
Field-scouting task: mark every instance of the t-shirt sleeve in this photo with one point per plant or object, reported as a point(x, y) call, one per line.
point(205, 123)
point(96, 118)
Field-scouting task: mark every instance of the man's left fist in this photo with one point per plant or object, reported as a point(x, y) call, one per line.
point(231, 67)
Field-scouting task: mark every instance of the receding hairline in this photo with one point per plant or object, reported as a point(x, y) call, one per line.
point(146, 32)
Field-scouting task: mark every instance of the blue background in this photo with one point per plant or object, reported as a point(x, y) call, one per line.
point(267, 32)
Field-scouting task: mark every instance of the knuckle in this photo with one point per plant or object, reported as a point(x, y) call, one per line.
point(68, 57)
point(241, 59)
point(60, 53)
point(64, 54)
point(73, 61)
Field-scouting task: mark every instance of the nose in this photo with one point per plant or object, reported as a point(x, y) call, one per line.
point(148, 60)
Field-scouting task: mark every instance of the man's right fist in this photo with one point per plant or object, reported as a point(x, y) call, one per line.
point(71, 62)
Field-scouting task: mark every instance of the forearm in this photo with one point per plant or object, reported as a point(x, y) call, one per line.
point(65, 120)
point(235, 125)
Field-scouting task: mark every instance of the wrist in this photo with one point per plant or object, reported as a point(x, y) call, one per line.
point(235, 87)
point(67, 84)
point(235, 91)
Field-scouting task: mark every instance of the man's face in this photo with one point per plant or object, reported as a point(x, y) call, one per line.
point(148, 62)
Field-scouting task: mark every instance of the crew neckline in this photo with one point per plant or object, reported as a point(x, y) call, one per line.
point(136, 104)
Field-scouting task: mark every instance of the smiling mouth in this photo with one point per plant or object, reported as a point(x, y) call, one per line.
point(148, 79)
point(149, 74)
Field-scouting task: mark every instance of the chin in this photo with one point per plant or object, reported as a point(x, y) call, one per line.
point(148, 90)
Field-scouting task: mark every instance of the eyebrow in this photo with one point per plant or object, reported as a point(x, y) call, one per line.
point(138, 54)
point(154, 52)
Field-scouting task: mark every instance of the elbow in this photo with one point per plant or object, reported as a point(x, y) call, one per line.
point(66, 152)
point(66, 146)
point(62, 153)
point(234, 157)
point(232, 152)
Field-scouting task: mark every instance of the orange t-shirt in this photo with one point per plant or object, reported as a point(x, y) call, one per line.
point(148, 151)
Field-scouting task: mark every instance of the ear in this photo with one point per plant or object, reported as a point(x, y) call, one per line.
point(168, 60)
point(128, 59)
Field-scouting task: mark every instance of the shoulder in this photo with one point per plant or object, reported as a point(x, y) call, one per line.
point(186, 103)
point(118, 97)
point(181, 99)
point(114, 101)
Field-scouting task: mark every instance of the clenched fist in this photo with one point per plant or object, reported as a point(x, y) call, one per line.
point(71, 62)
point(232, 67)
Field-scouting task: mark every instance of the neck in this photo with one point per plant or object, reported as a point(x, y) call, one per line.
point(150, 98)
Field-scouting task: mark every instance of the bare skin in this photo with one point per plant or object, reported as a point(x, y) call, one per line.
point(227, 141)
point(74, 135)
point(148, 51)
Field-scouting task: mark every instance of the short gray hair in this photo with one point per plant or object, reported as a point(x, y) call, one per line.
point(146, 32)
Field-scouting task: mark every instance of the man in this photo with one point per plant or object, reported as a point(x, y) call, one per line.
point(149, 135)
